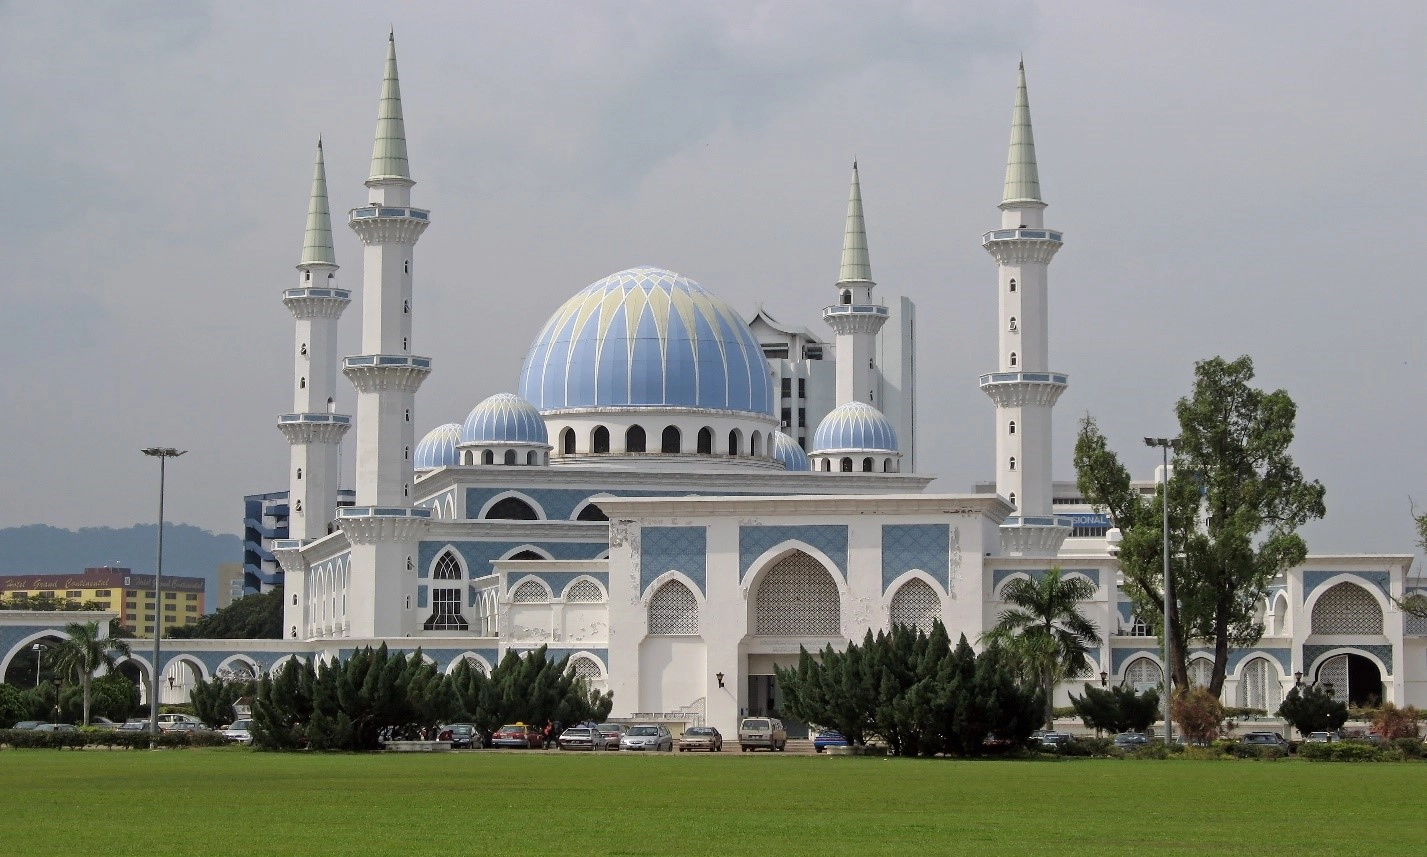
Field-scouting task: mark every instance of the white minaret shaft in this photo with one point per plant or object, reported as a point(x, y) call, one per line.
point(314, 428)
point(1024, 388)
point(386, 374)
point(855, 320)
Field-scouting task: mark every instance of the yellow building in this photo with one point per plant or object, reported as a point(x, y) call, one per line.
point(119, 589)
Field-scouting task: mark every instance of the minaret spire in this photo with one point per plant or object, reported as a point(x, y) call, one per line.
point(389, 151)
point(856, 266)
point(1022, 179)
point(317, 240)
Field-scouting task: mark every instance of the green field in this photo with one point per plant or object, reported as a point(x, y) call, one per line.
point(236, 802)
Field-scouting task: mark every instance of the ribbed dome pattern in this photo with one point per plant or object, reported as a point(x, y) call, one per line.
point(855, 426)
point(438, 448)
point(646, 337)
point(787, 451)
point(502, 419)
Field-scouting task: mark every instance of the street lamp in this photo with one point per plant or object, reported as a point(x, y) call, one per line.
point(58, 681)
point(1166, 444)
point(37, 648)
point(163, 454)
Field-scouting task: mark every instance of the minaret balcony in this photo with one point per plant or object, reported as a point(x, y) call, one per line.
point(390, 211)
point(855, 318)
point(372, 524)
point(314, 427)
point(1039, 535)
point(382, 224)
point(310, 303)
point(376, 373)
point(1017, 389)
point(1022, 246)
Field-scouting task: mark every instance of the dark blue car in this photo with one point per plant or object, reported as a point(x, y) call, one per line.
point(828, 738)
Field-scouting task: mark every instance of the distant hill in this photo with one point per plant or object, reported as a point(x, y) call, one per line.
point(188, 551)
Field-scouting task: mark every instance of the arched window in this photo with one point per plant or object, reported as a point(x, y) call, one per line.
point(1013, 359)
point(1013, 462)
point(673, 609)
point(867, 465)
point(634, 439)
point(406, 267)
point(531, 457)
point(755, 444)
point(846, 297)
point(510, 456)
point(827, 465)
point(1201, 671)
point(331, 405)
point(846, 465)
point(1012, 327)
point(798, 598)
point(586, 669)
point(1012, 498)
point(669, 442)
point(733, 442)
point(405, 307)
point(467, 457)
point(1012, 430)
point(887, 466)
point(447, 567)
point(488, 457)
point(1347, 609)
point(599, 441)
point(408, 414)
point(512, 509)
point(1013, 288)
point(567, 442)
point(530, 592)
point(705, 441)
point(584, 592)
point(1143, 674)
point(446, 601)
point(299, 473)
point(1259, 686)
point(302, 383)
point(916, 605)
point(525, 556)
point(591, 512)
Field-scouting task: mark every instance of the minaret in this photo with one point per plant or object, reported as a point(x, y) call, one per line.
point(854, 318)
point(384, 526)
point(314, 429)
point(1024, 388)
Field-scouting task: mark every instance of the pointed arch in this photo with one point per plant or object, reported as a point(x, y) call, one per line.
point(671, 441)
point(1143, 672)
point(512, 512)
point(599, 440)
point(915, 604)
point(1200, 668)
point(238, 664)
point(635, 439)
point(447, 556)
point(476, 661)
point(1346, 607)
point(705, 441)
point(524, 552)
point(673, 609)
point(567, 441)
point(1260, 684)
point(584, 590)
point(796, 595)
point(530, 590)
point(735, 438)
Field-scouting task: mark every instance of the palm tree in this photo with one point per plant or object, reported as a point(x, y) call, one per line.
point(84, 652)
point(1045, 631)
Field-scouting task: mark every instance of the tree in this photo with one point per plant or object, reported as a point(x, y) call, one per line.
point(213, 700)
point(1236, 501)
point(252, 617)
point(14, 707)
point(1198, 712)
point(1312, 708)
point(1118, 709)
point(1044, 633)
point(83, 652)
point(1392, 722)
point(24, 601)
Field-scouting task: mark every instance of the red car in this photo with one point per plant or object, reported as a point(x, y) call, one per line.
point(518, 735)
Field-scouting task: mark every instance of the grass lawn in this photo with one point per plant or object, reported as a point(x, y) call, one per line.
point(236, 802)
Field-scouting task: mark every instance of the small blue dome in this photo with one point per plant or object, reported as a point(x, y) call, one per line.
point(854, 427)
point(787, 451)
point(438, 448)
point(502, 419)
point(646, 337)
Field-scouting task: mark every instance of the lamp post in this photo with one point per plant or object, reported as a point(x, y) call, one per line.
point(37, 648)
point(58, 681)
point(1166, 444)
point(163, 454)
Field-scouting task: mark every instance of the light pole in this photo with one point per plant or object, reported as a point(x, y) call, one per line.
point(163, 454)
point(37, 648)
point(1166, 444)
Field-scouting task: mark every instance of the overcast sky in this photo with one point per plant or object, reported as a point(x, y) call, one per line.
point(1232, 178)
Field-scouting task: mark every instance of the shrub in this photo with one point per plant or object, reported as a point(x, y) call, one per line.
point(1240, 750)
point(1343, 751)
point(1149, 751)
point(1198, 713)
point(1311, 708)
point(1410, 748)
point(1087, 746)
point(1202, 754)
point(1392, 722)
point(25, 739)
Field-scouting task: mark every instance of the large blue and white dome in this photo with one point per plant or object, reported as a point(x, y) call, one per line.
point(787, 452)
point(504, 419)
point(854, 427)
point(646, 337)
point(438, 448)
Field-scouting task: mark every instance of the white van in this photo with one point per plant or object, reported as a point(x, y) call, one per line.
point(762, 732)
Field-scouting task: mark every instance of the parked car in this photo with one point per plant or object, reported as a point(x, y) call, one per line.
point(762, 732)
point(828, 738)
point(579, 738)
point(1131, 740)
point(1321, 738)
point(1047, 740)
point(135, 724)
point(610, 733)
point(518, 736)
point(463, 736)
point(1265, 739)
point(27, 725)
point(55, 727)
point(239, 732)
point(179, 723)
point(701, 738)
point(102, 723)
point(647, 736)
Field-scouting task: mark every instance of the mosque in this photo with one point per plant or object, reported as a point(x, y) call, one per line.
point(679, 497)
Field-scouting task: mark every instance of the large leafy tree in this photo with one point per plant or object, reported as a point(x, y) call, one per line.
point(1043, 631)
point(252, 617)
point(1116, 709)
point(1236, 500)
point(83, 652)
